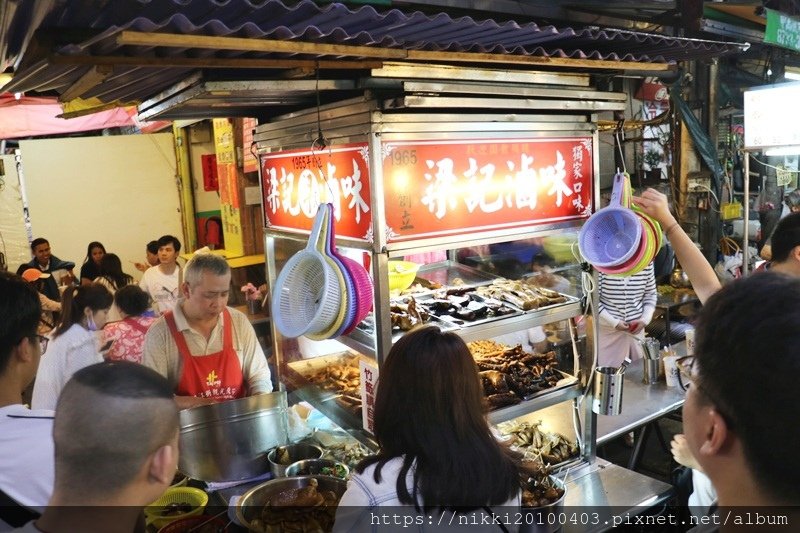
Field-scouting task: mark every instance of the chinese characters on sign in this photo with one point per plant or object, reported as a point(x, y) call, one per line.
point(228, 187)
point(433, 188)
point(295, 182)
point(369, 381)
point(440, 188)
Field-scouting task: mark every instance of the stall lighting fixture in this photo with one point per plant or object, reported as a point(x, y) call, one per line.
point(783, 150)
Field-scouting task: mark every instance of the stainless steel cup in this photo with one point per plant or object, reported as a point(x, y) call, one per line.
point(607, 391)
point(651, 368)
point(650, 347)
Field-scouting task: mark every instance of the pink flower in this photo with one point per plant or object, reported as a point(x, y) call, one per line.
point(251, 292)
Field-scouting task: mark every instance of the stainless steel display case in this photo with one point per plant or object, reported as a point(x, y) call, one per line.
point(377, 120)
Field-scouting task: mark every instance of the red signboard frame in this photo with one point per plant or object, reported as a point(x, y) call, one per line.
point(433, 189)
point(295, 182)
point(444, 188)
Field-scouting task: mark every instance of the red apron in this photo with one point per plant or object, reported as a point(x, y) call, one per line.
point(217, 375)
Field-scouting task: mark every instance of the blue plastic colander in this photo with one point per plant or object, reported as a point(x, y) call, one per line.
point(611, 235)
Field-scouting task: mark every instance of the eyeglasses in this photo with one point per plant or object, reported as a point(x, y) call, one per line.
point(42, 342)
point(687, 375)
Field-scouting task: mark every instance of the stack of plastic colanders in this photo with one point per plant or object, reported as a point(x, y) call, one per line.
point(319, 293)
point(619, 240)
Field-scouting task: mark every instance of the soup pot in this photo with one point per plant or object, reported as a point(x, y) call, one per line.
point(229, 441)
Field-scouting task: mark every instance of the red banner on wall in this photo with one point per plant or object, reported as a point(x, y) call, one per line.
point(295, 182)
point(443, 188)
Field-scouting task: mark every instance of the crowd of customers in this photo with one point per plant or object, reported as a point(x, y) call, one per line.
point(80, 443)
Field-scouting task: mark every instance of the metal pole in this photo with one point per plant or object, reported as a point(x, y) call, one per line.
point(746, 202)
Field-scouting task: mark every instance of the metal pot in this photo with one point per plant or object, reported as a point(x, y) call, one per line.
point(251, 505)
point(679, 279)
point(294, 452)
point(229, 441)
point(544, 519)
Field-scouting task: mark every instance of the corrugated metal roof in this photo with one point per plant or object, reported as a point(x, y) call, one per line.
point(304, 21)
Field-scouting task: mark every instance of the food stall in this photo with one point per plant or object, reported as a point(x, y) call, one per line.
point(433, 167)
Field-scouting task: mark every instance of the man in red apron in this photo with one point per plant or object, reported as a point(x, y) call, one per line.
point(207, 350)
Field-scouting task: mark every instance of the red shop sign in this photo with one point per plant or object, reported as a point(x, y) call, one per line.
point(443, 188)
point(295, 182)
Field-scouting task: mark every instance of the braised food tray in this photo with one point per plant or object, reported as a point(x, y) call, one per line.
point(446, 275)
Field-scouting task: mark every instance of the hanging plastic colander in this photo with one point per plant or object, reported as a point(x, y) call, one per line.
point(623, 268)
point(306, 296)
point(328, 331)
point(654, 223)
point(611, 235)
point(330, 251)
point(654, 238)
point(363, 285)
point(349, 304)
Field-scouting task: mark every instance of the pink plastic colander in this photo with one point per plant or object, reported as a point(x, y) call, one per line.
point(611, 235)
point(352, 298)
point(362, 284)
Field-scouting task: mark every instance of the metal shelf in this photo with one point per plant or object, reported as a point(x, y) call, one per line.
point(546, 399)
point(364, 342)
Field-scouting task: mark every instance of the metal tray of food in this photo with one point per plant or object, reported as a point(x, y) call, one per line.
point(527, 298)
point(475, 309)
point(447, 275)
point(320, 372)
point(367, 326)
point(553, 449)
point(567, 380)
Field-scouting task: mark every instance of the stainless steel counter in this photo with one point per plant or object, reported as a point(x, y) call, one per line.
point(601, 492)
point(640, 403)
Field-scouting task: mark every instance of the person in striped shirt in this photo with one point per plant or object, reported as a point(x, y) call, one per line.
point(626, 306)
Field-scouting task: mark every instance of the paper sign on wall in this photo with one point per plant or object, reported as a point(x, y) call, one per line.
point(369, 383)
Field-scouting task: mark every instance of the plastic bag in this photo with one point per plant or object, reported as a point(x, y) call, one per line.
point(729, 267)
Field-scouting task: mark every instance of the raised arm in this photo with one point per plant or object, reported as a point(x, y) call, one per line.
point(701, 273)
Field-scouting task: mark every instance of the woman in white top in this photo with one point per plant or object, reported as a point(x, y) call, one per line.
point(73, 344)
point(438, 462)
point(626, 306)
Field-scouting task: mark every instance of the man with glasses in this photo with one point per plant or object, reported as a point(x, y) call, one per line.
point(741, 410)
point(208, 351)
point(26, 443)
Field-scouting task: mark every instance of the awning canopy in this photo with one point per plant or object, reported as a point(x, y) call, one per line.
point(126, 51)
point(28, 116)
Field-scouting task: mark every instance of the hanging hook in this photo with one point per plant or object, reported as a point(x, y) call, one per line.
point(617, 136)
point(320, 143)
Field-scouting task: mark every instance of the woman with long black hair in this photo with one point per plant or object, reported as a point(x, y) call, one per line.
point(73, 344)
point(113, 278)
point(91, 264)
point(437, 455)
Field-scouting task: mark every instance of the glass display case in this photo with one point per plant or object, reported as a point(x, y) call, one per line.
point(494, 211)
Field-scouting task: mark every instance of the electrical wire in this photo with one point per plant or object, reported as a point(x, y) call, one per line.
point(783, 169)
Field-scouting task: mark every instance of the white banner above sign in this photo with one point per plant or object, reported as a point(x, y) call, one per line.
point(771, 115)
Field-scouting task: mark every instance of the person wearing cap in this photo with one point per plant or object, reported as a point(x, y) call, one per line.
point(49, 264)
point(47, 322)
